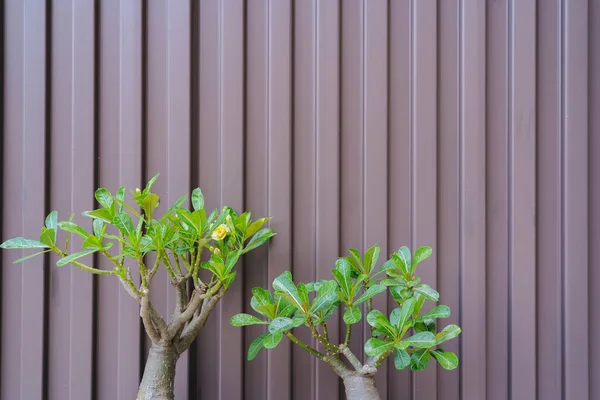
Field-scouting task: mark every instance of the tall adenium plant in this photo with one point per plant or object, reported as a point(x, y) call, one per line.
point(407, 333)
point(175, 241)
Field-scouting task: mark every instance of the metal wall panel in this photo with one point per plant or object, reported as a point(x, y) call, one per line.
point(466, 125)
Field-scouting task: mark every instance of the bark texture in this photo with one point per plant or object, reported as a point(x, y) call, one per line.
point(360, 387)
point(159, 374)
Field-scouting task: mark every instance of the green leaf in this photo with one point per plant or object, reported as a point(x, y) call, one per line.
point(104, 214)
point(401, 359)
point(371, 257)
point(298, 320)
point(232, 259)
point(420, 359)
point(356, 260)
point(421, 254)
point(402, 257)
point(104, 197)
point(303, 293)
point(254, 227)
point(286, 288)
point(446, 359)
point(52, 223)
point(120, 195)
point(22, 243)
point(419, 305)
point(422, 340)
point(124, 223)
point(197, 199)
point(97, 226)
point(399, 316)
point(343, 275)
point(259, 238)
point(48, 236)
point(92, 242)
point(441, 311)
point(375, 347)
point(427, 292)
point(326, 296)
point(272, 340)
point(393, 282)
point(245, 320)
point(73, 228)
point(150, 183)
point(175, 206)
point(280, 324)
point(352, 315)
point(449, 332)
point(255, 346)
point(18, 260)
point(262, 296)
point(427, 325)
point(401, 345)
point(377, 320)
point(369, 293)
point(72, 257)
point(389, 264)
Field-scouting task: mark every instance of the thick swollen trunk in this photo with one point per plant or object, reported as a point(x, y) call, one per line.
point(360, 387)
point(159, 374)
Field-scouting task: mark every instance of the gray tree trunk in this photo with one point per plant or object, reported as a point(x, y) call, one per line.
point(159, 374)
point(360, 387)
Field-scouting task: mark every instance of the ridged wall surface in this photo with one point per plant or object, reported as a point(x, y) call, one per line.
point(471, 126)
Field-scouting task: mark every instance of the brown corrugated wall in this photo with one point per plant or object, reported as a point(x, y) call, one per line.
point(472, 126)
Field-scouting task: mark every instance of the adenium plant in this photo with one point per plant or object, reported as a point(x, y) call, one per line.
point(133, 238)
point(408, 334)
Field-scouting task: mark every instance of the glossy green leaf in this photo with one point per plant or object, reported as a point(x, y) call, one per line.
point(298, 320)
point(303, 293)
point(232, 259)
point(427, 292)
point(262, 296)
point(371, 256)
point(175, 206)
point(389, 264)
point(272, 340)
point(97, 226)
point(441, 311)
point(75, 256)
point(259, 239)
point(197, 199)
point(419, 305)
point(92, 242)
point(47, 236)
point(422, 340)
point(150, 183)
point(343, 275)
point(104, 197)
point(52, 223)
point(245, 320)
point(73, 228)
point(420, 359)
point(326, 296)
point(402, 257)
point(255, 226)
point(352, 315)
point(375, 346)
point(285, 287)
point(401, 359)
point(356, 260)
point(280, 324)
point(446, 359)
point(120, 195)
point(399, 316)
point(22, 243)
point(449, 332)
point(124, 223)
point(426, 325)
point(104, 213)
point(392, 282)
point(421, 254)
point(18, 260)
point(377, 320)
point(369, 293)
point(256, 345)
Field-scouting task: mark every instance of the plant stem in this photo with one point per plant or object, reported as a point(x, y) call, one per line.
point(348, 333)
point(304, 346)
point(369, 309)
point(325, 333)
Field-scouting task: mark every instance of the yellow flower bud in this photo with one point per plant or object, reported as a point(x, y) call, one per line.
point(220, 232)
point(138, 191)
point(217, 251)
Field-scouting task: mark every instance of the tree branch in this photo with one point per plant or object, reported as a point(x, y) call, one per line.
point(147, 320)
point(304, 346)
point(351, 357)
point(337, 366)
point(196, 301)
point(193, 329)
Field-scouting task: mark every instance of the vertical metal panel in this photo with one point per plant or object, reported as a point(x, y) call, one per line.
point(24, 148)
point(522, 219)
point(549, 202)
point(473, 205)
point(460, 124)
point(72, 170)
point(119, 149)
point(575, 200)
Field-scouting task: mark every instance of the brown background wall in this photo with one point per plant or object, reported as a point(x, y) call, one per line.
point(468, 125)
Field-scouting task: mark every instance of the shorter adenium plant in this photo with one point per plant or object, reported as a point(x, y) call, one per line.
point(174, 241)
point(407, 333)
